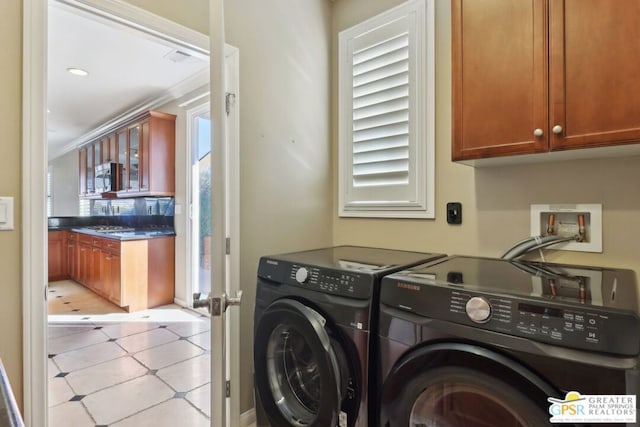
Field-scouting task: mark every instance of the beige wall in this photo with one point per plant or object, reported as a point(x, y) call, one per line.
point(285, 183)
point(193, 14)
point(10, 178)
point(495, 200)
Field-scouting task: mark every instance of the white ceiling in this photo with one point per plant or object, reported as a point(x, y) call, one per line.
point(127, 69)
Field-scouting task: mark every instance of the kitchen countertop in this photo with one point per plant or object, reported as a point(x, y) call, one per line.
point(137, 234)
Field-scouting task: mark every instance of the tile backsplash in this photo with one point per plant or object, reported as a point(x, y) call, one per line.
point(138, 206)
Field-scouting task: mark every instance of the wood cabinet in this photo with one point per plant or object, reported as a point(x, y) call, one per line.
point(133, 274)
point(145, 147)
point(85, 260)
point(149, 160)
point(57, 255)
point(89, 156)
point(72, 255)
point(537, 75)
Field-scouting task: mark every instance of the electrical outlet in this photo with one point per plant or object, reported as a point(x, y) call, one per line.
point(566, 220)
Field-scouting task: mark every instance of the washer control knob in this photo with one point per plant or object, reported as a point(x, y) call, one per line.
point(302, 275)
point(478, 309)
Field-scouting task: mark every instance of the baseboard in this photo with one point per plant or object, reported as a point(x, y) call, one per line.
point(180, 302)
point(248, 418)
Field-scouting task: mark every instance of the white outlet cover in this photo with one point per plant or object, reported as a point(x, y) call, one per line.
point(595, 224)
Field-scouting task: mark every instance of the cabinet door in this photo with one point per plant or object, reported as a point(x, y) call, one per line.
point(84, 258)
point(72, 256)
point(595, 73)
point(123, 151)
point(134, 158)
point(95, 281)
point(97, 153)
point(145, 160)
point(114, 279)
point(108, 150)
point(82, 168)
point(56, 252)
point(90, 170)
point(500, 77)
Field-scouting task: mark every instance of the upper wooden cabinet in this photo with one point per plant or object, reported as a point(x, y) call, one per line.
point(145, 149)
point(537, 75)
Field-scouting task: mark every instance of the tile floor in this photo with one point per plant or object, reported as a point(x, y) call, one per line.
point(111, 368)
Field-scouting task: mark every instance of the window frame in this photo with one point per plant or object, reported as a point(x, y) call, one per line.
point(421, 187)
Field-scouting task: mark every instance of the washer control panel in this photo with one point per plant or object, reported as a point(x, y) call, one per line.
point(569, 326)
point(329, 281)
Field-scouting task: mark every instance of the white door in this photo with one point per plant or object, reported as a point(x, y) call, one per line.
point(206, 204)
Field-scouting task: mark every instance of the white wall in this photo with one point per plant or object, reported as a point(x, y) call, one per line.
point(65, 184)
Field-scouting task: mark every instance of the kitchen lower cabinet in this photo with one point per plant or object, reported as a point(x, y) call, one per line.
point(72, 256)
point(133, 274)
point(541, 76)
point(57, 255)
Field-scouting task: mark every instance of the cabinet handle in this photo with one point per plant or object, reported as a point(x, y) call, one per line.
point(538, 132)
point(557, 129)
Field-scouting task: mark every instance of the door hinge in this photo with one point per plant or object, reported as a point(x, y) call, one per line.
point(229, 101)
point(227, 245)
point(228, 388)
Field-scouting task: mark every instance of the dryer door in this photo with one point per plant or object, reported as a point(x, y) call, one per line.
point(300, 369)
point(459, 396)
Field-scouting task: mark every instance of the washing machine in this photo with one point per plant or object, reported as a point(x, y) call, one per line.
point(314, 333)
point(468, 341)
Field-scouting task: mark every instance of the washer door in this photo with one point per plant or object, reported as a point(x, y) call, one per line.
point(462, 397)
point(300, 369)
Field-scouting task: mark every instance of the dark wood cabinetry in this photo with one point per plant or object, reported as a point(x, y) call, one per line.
point(145, 149)
point(72, 255)
point(535, 76)
point(57, 255)
point(133, 274)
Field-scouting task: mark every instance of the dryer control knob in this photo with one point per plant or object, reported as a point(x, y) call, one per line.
point(478, 309)
point(302, 275)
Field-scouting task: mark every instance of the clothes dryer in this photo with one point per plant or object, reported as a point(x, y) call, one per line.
point(478, 342)
point(314, 334)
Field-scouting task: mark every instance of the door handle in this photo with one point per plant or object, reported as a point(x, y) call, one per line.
point(216, 305)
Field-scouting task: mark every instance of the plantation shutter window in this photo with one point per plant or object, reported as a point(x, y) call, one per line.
point(386, 114)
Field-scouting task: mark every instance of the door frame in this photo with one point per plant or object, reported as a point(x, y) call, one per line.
point(34, 168)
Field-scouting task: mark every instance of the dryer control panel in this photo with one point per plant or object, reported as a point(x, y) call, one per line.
point(589, 329)
point(582, 307)
point(329, 281)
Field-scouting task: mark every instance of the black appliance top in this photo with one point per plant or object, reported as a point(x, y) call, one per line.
point(372, 261)
point(350, 271)
point(561, 283)
point(591, 308)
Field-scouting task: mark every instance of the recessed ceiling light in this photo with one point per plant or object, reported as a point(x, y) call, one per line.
point(78, 72)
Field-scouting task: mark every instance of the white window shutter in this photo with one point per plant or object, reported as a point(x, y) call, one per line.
point(386, 155)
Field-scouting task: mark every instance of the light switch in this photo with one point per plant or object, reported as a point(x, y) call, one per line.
point(6, 213)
